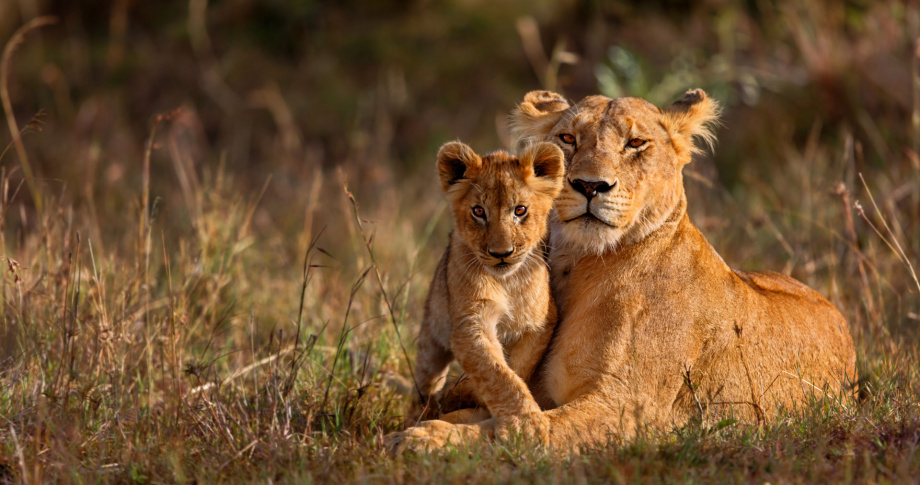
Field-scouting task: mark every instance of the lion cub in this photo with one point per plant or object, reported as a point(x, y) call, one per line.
point(489, 305)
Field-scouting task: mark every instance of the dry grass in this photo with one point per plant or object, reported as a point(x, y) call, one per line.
point(171, 314)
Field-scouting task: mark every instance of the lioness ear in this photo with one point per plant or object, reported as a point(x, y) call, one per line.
point(454, 161)
point(532, 120)
point(691, 116)
point(543, 167)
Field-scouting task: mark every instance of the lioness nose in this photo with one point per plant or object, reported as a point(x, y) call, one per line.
point(590, 189)
point(501, 253)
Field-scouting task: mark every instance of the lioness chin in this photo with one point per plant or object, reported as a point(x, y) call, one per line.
point(654, 327)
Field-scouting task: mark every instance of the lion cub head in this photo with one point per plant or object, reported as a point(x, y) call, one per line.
point(500, 202)
point(623, 161)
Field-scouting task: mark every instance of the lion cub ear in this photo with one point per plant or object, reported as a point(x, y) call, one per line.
point(532, 120)
point(543, 167)
point(691, 116)
point(455, 159)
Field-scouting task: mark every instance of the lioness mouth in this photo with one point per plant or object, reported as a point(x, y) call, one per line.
point(589, 217)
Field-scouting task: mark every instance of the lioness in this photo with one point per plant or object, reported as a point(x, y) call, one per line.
point(489, 304)
point(654, 327)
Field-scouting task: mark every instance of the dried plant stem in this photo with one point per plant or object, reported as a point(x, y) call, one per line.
point(854, 245)
point(144, 251)
point(20, 457)
point(894, 245)
point(255, 365)
point(14, 42)
point(383, 290)
point(303, 293)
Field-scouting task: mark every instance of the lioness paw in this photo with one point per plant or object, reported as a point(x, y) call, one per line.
point(532, 427)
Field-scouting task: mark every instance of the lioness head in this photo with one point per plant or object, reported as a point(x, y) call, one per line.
point(500, 202)
point(623, 160)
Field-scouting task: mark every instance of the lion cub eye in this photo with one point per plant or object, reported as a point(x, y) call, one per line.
point(567, 138)
point(636, 143)
point(520, 211)
point(479, 211)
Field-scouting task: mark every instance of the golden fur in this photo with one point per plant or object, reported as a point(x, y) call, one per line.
point(655, 328)
point(489, 305)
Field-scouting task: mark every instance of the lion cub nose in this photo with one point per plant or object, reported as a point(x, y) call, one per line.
point(501, 253)
point(590, 189)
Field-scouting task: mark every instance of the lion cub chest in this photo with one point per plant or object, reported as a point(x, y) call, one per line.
point(523, 303)
point(504, 307)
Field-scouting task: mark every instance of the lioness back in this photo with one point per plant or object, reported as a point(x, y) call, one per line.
point(490, 305)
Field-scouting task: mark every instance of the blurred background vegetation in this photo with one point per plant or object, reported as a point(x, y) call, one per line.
point(372, 88)
point(285, 87)
point(364, 92)
point(260, 111)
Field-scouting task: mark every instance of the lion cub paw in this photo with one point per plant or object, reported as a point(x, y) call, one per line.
point(432, 436)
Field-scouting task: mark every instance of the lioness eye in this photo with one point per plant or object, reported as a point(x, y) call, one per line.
point(520, 210)
point(479, 211)
point(636, 142)
point(567, 138)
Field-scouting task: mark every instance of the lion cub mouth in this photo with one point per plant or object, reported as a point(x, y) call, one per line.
point(503, 268)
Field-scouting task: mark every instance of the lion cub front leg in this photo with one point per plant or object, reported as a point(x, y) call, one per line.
point(466, 416)
point(476, 347)
point(523, 357)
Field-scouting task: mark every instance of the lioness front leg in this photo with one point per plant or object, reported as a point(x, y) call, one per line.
point(592, 419)
point(505, 393)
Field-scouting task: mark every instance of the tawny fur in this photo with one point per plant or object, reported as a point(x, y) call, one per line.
point(655, 329)
point(493, 313)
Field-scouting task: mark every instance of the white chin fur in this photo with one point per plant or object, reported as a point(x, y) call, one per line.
point(586, 235)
